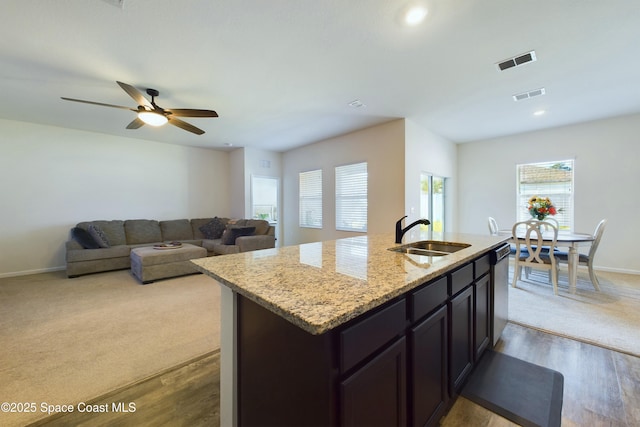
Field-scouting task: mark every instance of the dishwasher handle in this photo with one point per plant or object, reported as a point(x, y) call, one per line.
point(500, 253)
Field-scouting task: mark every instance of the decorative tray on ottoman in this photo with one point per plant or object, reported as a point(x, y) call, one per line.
point(168, 245)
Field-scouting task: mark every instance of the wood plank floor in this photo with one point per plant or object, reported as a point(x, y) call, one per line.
point(187, 395)
point(601, 388)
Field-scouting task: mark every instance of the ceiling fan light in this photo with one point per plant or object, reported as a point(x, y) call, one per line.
point(152, 118)
point(415, 15)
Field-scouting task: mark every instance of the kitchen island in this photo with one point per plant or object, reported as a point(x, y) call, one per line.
point(347, 332)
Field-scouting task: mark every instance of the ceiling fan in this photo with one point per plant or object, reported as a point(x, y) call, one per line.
point(150, 113)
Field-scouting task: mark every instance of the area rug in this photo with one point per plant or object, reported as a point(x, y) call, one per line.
point(66, 341)
point(608, 318)
point(527, 394)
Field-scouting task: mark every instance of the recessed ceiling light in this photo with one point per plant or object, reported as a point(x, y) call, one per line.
point(228, 144)
point(415, 15)
point(538, 113)
point(356, 103)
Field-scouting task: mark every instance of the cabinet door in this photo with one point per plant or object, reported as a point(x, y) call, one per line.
point(375, 395)
point(428, 375)
point(461, 338)
point(482, 299)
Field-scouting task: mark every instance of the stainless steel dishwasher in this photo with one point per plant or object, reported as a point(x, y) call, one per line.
point(500, 289)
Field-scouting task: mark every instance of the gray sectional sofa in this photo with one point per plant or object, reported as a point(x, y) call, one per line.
point(97, 246)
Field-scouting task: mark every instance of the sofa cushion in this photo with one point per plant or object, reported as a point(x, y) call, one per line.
point(196, 223)
point(99, 236)
point(142, 231)
point(81, 255)
point(113, 230)
point(83, 237)
point(177, 229)
point(232, 232)
point(262, 226)
point(213, 229)
point(225, 249)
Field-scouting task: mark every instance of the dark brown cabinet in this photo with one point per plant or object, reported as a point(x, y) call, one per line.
point(402, 363)
point(482, 309)
point(428, 373)
point(461, 345)
point(375, 394)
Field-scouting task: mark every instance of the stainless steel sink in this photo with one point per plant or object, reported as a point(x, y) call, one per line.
point(430, 248)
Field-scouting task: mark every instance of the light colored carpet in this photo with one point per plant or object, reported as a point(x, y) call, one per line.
point(609, 318)
point(70, 340)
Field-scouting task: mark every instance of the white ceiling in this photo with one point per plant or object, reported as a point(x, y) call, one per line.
point(281, 73)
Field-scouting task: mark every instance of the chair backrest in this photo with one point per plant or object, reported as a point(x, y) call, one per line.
point(597, 235)
point(530, 234)
point(493, 226)
point(553, 221)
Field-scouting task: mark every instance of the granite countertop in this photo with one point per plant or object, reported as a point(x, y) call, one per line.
point(319, 286)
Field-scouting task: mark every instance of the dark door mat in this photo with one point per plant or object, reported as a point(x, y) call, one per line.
point(524, 393)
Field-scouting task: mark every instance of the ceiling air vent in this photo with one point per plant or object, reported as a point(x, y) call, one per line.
point(516, 61)
point(530, 94)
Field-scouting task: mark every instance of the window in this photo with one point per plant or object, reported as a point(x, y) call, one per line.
point(551, 179)
point(310, 192)
point(432, 191)
point(351, 197)
point(264, 198)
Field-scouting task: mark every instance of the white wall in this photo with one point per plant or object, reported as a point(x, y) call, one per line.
point(237, 183)
point(606, 154)
point(428, 152)
point(382, 147)
point(53, 178)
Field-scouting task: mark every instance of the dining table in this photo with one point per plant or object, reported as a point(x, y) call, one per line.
point(566, 239)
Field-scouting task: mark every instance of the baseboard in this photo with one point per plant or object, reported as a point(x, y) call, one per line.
point(617, 270)
point(28, 272)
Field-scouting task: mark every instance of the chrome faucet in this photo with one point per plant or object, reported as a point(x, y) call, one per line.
point(400, 231)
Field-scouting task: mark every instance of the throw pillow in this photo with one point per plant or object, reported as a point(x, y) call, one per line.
point(213, 229)
point(231, 233)
point(83, 237)
point(99, 236)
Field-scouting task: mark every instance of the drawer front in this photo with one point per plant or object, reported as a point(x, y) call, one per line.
point(365, 337)
point(427, 299)
point(461, 278)
point(482, 266)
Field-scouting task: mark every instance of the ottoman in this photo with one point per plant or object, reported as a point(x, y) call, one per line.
point(149, 264)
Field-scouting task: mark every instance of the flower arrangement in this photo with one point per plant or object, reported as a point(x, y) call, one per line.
point(541, 207)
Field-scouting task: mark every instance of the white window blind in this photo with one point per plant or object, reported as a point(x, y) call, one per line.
point(310, 192)
point(550, 179)
point(351, 197)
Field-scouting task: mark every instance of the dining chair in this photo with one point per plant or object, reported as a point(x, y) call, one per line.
point(587, 259)
point(493, 230)
point(493, 226)
point(529, 250)
point(552, 221)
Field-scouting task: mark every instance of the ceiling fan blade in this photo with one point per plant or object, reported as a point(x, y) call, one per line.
point(184, 125)
point(135, 94)
point(187, 112)
point(135, 124)
point(97, 103)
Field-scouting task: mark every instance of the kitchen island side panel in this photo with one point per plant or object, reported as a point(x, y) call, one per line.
point(273, 352)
